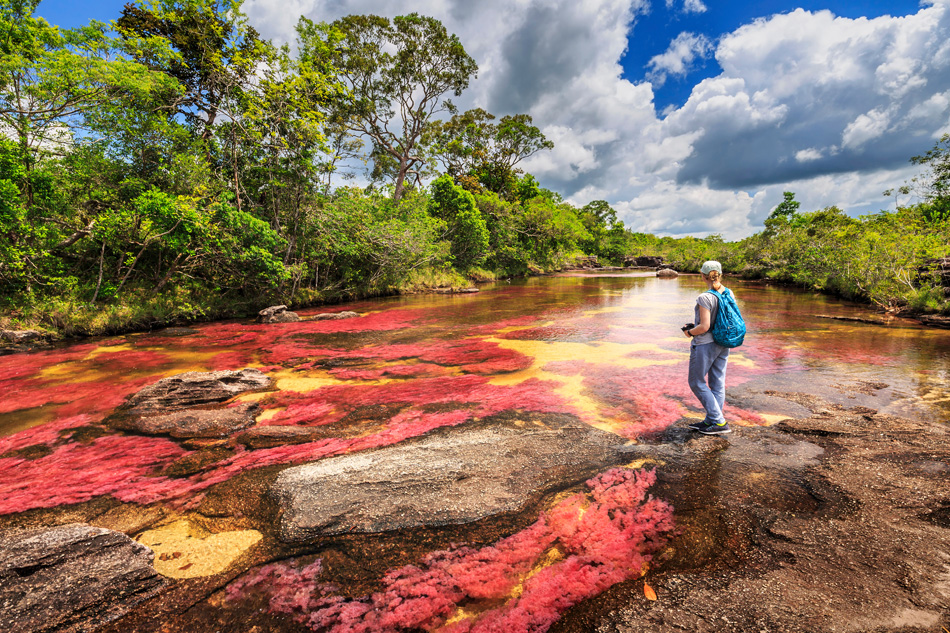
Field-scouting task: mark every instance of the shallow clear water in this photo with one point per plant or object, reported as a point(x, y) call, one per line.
point(605, 350)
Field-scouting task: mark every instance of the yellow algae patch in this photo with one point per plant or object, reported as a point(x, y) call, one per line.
point(109, 349)
point(304, 382)
point(550, 557)
point(739, 359)
point(619, 354)
point(185, 550)
point(267, 414)
point(571, 388)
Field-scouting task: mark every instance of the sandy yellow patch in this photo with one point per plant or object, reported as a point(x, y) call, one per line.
point(772, 418)
point(185, 550)
point(644, 461)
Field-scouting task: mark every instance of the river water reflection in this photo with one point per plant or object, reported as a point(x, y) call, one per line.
point(604, 350)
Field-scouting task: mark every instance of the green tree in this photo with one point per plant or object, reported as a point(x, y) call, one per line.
point(479, 153)
point(787, 208)
point(466, 226)
point(50, 78)
point(216, 53)
point(398, 74)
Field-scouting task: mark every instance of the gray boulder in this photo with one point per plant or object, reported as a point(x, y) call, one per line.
point(667, 273)
point(71, 578)
point(445, 478)
point(277, 314)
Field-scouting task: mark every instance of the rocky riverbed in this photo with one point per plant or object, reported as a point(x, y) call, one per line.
point(835, 521)
point(455, 470)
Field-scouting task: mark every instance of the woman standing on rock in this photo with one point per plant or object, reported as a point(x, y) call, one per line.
point(706, 357)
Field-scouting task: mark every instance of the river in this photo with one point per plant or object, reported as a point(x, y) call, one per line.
point(601, 351)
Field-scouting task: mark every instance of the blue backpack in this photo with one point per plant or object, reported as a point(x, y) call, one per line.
point(728, 328)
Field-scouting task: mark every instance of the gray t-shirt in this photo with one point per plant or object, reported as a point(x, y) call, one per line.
point(711, 302)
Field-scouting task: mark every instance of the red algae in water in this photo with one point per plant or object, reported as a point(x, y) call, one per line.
point(45, 435)
point(75, 472)
point(604, 538)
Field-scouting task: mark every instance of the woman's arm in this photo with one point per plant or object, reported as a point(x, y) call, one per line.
point(704, 322)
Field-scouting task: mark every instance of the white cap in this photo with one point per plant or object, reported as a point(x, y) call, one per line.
point(710, 266)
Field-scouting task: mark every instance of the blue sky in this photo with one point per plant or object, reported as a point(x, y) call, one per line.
point(689, 117)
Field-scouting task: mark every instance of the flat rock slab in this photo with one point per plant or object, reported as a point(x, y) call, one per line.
point(454, 477)
point(197, 389)
point(71, 578)
point(191, 423)
point(279, 435)
point(333, 316)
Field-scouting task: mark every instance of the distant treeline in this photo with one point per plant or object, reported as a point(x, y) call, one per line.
point(175, 164)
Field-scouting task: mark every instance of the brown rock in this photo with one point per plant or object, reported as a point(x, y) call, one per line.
point(71, 578)
point(277, 314)
point(278, 435)
point(20, 336)
point(196, 389)
point(192, 423)
point(667, 273)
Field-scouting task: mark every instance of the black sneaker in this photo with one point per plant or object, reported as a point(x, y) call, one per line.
point(710, 428)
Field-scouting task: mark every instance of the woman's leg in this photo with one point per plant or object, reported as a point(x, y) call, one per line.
point(717, 376)
point(701, 359)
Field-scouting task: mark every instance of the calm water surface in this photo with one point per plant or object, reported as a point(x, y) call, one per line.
point(605, 350)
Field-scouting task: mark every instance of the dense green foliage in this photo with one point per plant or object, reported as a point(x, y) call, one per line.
point(174, 164)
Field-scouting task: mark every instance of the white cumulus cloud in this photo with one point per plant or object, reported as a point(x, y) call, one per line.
point(678, 59)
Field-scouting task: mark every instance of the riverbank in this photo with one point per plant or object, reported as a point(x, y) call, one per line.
point(62, 319)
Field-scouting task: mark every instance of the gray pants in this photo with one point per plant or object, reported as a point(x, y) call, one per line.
point(710, 359)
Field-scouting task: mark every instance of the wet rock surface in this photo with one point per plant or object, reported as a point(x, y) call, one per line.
point(454, 477)
point(279, 435)
point(71, 578)
point(850, 535)
point(277, 314)
point(194, 423)
point(195, 389)
point(332, 316)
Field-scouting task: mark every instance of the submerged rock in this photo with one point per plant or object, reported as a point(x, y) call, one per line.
point(279, 435)
point(446, 478)
point(71, 578)
point(192, 423)
point(330, 316)
point(277, 314)
point(196, 389)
